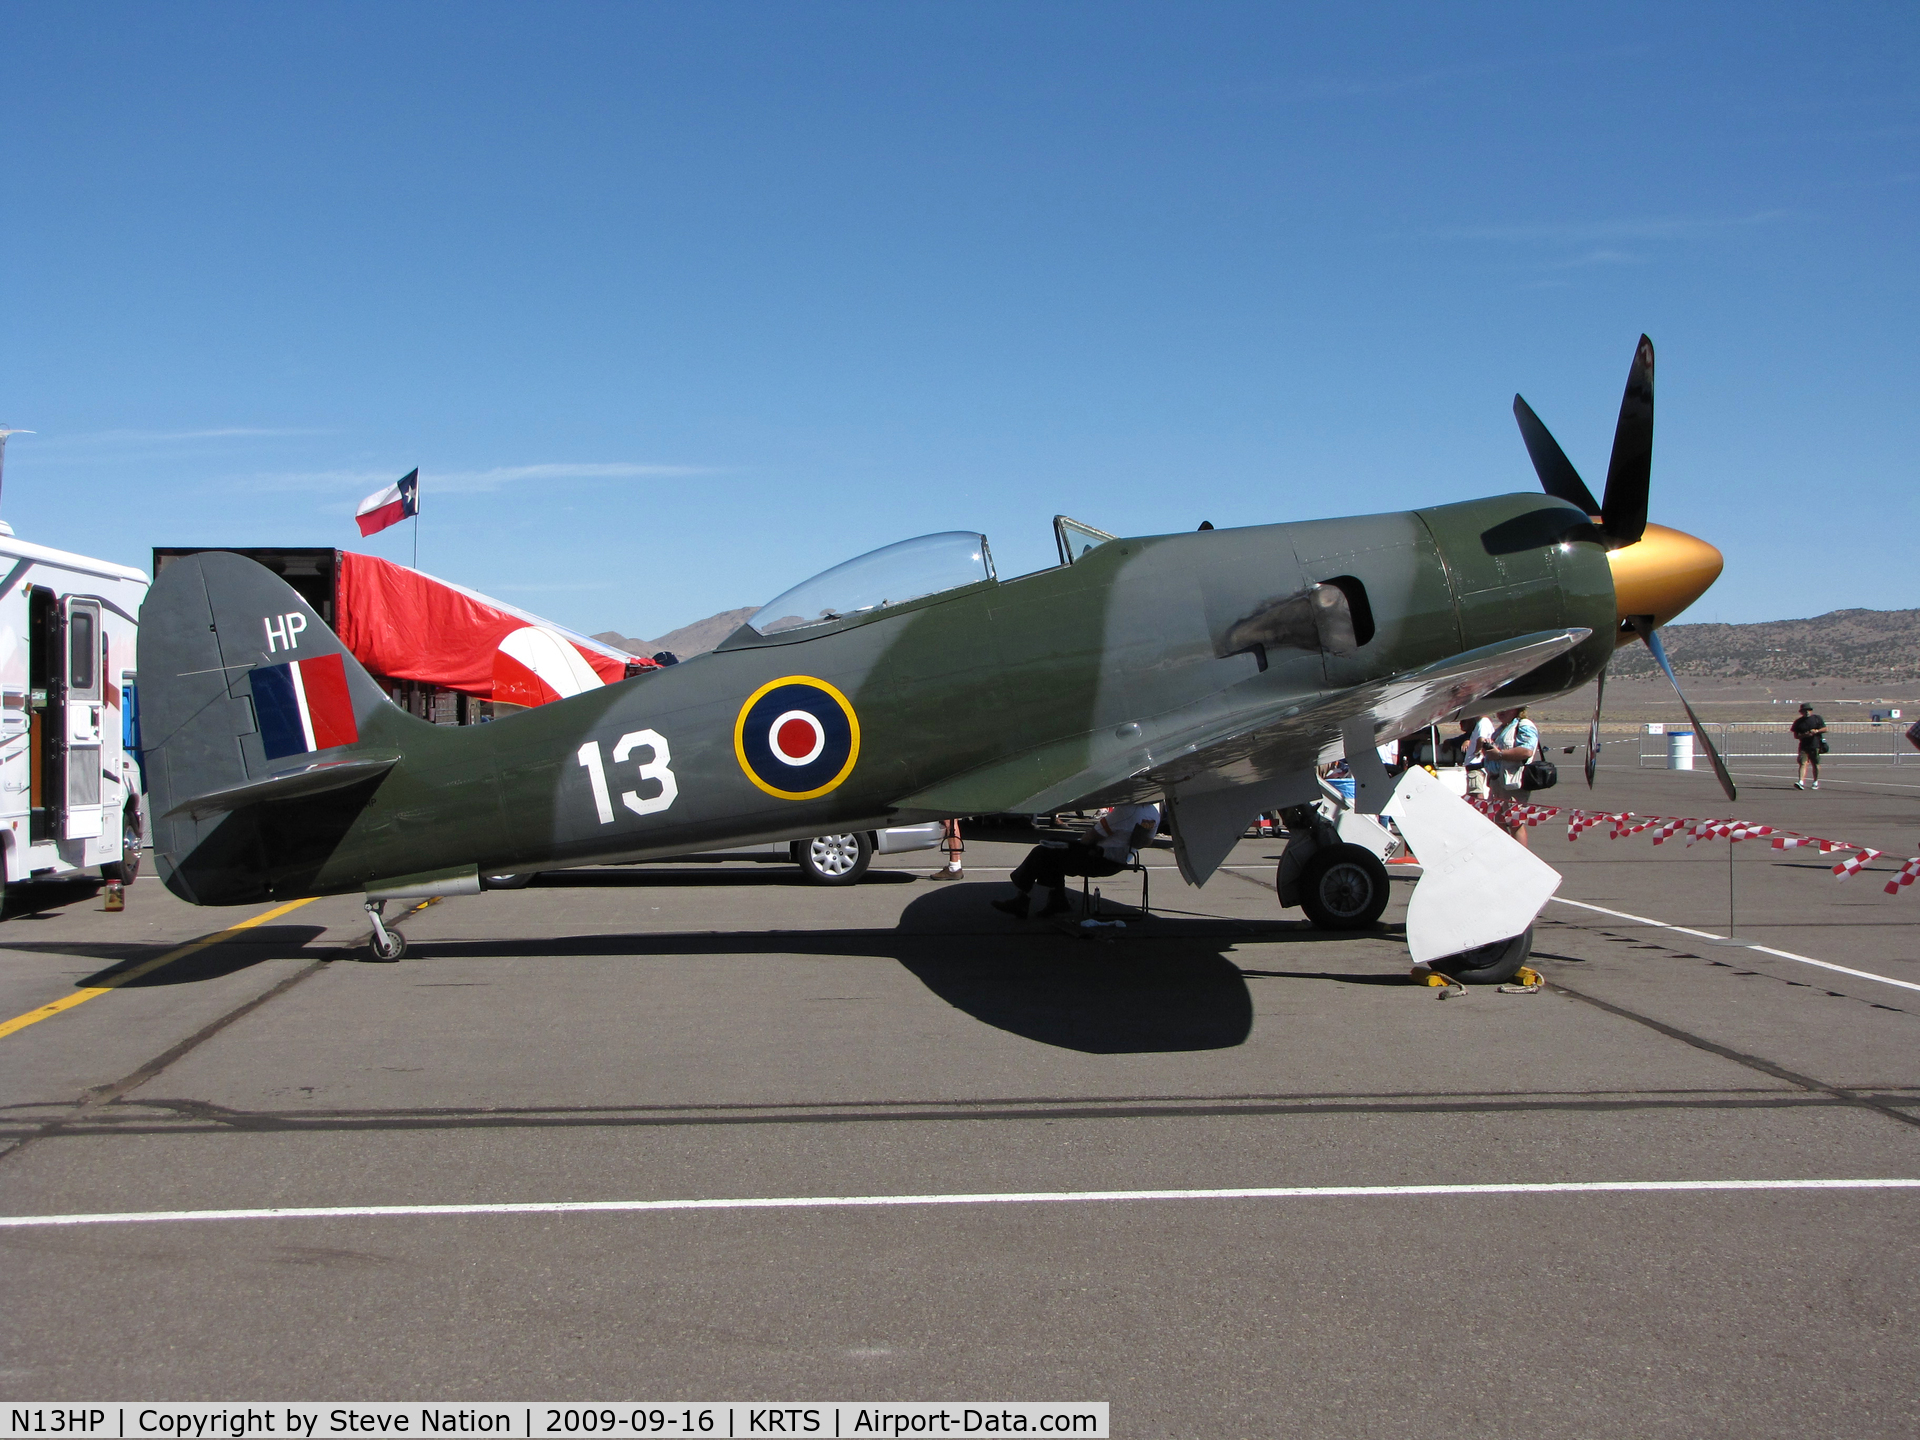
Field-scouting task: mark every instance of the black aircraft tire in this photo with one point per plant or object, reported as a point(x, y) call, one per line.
point(833, 859)
point(395, 947)
point(1493, 964)
point(1344, 887)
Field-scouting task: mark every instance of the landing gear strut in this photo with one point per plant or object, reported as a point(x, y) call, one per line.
point(387, 944)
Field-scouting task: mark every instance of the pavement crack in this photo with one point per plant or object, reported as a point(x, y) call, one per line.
point(77, 1111)
point(190, 1117)
point(1740, 1057)
point(106, 1094)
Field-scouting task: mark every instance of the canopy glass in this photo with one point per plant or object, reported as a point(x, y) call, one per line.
point(891, 575)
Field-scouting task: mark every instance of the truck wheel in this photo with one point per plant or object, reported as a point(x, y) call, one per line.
point(1344, 888)
point(126, 869)
point(1493, 964)
point(833, 859)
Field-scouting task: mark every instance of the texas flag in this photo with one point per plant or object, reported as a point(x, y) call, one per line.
point(390, 506)
point(303, 706)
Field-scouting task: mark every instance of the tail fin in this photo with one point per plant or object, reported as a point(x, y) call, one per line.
point(262, 735)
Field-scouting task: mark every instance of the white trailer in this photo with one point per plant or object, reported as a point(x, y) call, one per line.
point(69, 777)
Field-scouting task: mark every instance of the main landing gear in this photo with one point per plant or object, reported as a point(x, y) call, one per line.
point(386, 944)
point(1343, 886)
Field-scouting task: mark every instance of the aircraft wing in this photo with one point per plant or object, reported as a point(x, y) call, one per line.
point(1275, 738)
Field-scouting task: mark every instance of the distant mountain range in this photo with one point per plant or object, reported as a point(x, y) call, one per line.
point(1853, 645)
point(686, 642)
point(1860, 646)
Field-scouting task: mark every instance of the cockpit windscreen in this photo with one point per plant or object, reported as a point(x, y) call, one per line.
point(890, 575)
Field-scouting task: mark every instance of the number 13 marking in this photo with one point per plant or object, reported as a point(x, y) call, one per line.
point(653, 769)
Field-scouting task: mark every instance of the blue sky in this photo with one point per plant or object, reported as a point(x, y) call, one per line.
point(676, 305)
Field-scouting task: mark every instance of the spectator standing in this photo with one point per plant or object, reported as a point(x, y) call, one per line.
point(1514, 746)
point(1479, 733)
point(1809, 732)
point(951, 843)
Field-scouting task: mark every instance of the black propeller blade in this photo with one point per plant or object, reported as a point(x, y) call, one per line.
point(1557, 475)
point(1593, 727)
point(1643, 627)
point(1623, 514)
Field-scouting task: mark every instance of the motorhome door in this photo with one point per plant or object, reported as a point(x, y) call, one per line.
point(85, 707)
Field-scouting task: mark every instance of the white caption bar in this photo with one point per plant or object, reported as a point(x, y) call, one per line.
point(522, 1420)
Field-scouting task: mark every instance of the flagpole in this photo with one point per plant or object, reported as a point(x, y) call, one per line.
point(416, 518)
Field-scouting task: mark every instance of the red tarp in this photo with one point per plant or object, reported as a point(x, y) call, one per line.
point(408, 626)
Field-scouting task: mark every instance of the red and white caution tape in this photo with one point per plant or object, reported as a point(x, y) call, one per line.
point(1848, 868)
point(1512, 812)
point(1664, 827)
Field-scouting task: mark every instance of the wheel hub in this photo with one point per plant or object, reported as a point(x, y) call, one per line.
point(835, 854)
point(1346, 889)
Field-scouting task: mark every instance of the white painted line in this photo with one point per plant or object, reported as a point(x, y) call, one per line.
point(1742, 944)
point(1034, 1197)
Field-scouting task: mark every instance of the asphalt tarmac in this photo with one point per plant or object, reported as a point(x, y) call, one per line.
point(717, 1033)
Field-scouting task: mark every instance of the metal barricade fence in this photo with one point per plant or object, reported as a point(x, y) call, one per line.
point(1884, 743)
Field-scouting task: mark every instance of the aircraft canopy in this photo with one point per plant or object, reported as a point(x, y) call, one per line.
point(890, 575)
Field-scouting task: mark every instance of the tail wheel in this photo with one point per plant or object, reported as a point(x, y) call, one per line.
point(1344, 888)
point(1493, 964)
point(833, 859)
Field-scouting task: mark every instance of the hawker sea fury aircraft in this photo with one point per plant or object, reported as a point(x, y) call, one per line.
point(1212, 669)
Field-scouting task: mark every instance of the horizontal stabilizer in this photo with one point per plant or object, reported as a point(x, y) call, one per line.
point(307, 780)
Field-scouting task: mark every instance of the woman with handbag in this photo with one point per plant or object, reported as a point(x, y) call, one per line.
point(1515, 746)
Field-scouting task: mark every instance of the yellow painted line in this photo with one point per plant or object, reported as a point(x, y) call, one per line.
point(145, 967)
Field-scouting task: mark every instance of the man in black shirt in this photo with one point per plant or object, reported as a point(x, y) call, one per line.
point(1807, 730)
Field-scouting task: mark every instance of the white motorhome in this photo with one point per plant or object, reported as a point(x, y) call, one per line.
point(69, 776)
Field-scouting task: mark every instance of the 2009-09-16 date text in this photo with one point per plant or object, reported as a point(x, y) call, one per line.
point(656, 1422)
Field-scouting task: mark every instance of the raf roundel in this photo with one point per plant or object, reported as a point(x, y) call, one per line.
point(797, 737)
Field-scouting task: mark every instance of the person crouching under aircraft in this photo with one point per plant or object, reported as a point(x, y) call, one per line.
point(1117, 834)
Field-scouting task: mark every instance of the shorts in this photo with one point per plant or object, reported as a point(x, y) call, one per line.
point(1503, 791)
point(1476, 780)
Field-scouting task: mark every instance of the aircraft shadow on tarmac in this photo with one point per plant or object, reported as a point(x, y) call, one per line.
point(772, 872)
point(1165, 983)
point(241, 952)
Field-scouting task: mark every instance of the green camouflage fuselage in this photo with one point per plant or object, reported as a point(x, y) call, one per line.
point(969, 701)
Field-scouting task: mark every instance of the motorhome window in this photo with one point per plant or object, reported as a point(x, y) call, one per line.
point(80, 650)
point(891, 575)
